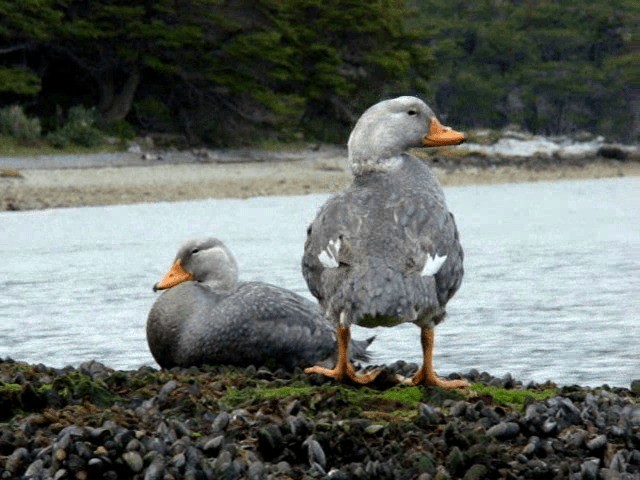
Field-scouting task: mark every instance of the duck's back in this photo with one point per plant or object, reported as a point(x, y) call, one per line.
point(387, 223)
point(255, 324)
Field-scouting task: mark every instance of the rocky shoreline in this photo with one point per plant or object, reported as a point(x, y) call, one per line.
point(231, 423)
point(154, 176)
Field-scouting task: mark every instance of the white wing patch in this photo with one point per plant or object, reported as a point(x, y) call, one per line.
point(433, 264)
point(329, 256)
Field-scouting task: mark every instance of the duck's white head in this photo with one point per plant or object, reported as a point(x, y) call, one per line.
point(391, 127)
point(205, 260)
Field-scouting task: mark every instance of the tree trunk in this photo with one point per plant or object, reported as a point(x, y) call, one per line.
point(118, 106)
point(107, 88)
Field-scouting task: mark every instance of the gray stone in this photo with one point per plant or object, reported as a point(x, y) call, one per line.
point(255, 471)
point(428, 413)
point(17, 460)
point(168, 387)
point(504, 430)
point(455, 462)
point(476, 472)
point(315, 452)
point(133, 461)
point(373, 429)
point(35, 469)
point(221, 421)
point(549, 425)
point(214, 444)
point(155, 471)
point(589, 469)
point(597, 443)
point(60, 474)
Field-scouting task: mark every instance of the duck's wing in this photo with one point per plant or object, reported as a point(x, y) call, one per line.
point(449, 275)
point(333, 242)
point(269, 323)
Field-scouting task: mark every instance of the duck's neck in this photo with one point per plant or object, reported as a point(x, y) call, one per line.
point(222, 280)
point(361, 164)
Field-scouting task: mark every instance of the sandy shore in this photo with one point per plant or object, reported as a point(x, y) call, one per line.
point(27, 184)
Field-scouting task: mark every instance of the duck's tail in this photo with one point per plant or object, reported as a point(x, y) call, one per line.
point(380, 294)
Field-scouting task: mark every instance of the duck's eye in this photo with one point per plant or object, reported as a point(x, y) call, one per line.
point(412, 112)
point(195, 250)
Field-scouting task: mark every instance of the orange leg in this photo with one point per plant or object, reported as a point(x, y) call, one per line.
point(344, 369)
point(426, 375)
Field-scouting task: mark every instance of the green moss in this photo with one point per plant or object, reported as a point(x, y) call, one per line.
point(406, 395)
point(10, 388)
point(44, 388)
point(514, 397)
point(78, 386)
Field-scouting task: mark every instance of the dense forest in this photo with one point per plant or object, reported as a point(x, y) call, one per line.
point(240, 72)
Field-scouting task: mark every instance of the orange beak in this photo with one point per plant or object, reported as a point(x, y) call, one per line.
point(173, 277)
point(440, 136)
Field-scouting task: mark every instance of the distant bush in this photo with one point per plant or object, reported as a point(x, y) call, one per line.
point(15, 123)
point(121, 129)
point(79, 129)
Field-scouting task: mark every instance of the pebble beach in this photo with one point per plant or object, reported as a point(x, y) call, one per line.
point(253, 423)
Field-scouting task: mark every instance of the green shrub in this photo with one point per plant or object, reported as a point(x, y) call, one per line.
point(79, 129)
point(121, 129)
point(15, 123)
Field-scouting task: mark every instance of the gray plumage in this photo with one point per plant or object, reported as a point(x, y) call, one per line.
point(388, 222)
point(214, 319)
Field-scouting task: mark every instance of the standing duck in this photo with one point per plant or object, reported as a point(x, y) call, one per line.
point(386, 250)
point(206, 316)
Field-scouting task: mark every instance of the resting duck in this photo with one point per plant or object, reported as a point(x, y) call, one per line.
point(386, 250)
point(206, 316)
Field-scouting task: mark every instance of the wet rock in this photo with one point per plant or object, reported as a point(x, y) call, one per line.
point(619, 462)
point(75, 463)
point(17, 461)
point(168, 387)
point(617, 152)
point(315, 452)
point(155, 471)
point(549, 425)
point(476, 472)
point(35, 470)
point(428, 414)
point(223, 464)
point(589, 469)
point(597, 443)
point(373, 429)
point(507, 381)
point(212, 446)
point(270, 440)
point(221, 422)
point(133, 461)
point(504, 430)
point(256, 471)
point(60, 474)
point(532, 446)
point(455, 462)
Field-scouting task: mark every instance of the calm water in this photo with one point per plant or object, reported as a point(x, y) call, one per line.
point(552, 285)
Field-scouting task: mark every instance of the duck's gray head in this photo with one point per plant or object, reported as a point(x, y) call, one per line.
point(391, 127)
point(206, 260)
